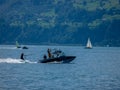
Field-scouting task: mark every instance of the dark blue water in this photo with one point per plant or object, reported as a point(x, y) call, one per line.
point(93, 69)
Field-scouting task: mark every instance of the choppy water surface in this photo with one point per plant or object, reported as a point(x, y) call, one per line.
point(93, 69)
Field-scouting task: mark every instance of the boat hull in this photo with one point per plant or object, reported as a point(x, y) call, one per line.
point(24, 47)
point(61, 59)
point(18, 47)
point(88, 47)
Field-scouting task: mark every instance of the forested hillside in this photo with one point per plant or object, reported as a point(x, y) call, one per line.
point(60, 22)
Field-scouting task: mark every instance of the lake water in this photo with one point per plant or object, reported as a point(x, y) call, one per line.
point(93, 69)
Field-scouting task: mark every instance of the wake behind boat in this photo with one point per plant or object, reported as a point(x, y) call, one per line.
point(26, 61)
point(58, 57)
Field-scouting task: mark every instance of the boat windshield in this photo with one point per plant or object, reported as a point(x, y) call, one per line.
point(57, 52)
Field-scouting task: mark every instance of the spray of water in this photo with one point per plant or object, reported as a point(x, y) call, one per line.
point(11, 60)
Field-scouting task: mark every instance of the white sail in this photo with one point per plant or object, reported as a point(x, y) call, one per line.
point(17, 44)
point(89, 45)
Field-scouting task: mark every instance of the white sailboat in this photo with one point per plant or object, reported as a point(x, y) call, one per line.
point(17, 45)
point(89, 44)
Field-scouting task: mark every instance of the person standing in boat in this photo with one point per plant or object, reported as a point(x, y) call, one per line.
point(22, 56)
point(49, 53)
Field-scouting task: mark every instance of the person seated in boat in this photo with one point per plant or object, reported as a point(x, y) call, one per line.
point(49, 53)
point(22, 56)
point(45, 57)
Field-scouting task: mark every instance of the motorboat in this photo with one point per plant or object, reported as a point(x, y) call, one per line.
point(58, 57)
